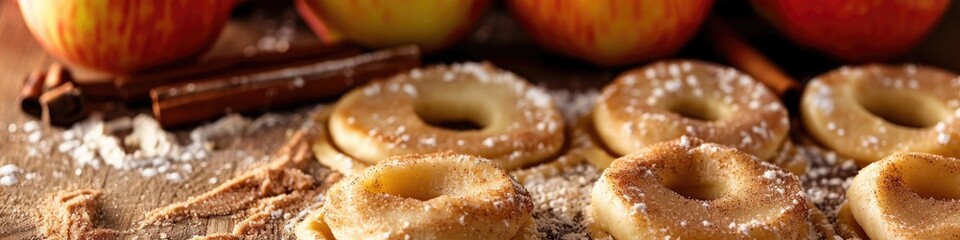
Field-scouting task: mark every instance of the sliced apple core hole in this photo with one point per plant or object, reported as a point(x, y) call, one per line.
point(700, 181)
point(930, 180)
point(426, 181)
point(902, 107)
point(430, 184)
point(453, 114)
point(453, 124)
point(699, 108)
point(699, 190)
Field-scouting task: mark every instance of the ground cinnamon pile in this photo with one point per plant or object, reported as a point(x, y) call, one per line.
point(267, 214)
point(70, 215)
point(268, 195)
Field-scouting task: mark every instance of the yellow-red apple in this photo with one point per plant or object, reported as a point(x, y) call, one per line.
point(610, 33)
point(431, 24)
point(119, 36)
point(854, 30)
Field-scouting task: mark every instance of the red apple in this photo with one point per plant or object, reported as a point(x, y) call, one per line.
point(854, 30)
point(119, 36)
point(432, 24)
point(611, 33)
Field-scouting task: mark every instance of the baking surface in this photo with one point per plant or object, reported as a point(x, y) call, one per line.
point(127, 195)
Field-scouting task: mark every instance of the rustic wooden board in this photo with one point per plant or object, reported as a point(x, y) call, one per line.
point(127, 195)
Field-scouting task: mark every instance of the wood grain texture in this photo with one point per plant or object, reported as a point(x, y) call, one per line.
point(127, 195)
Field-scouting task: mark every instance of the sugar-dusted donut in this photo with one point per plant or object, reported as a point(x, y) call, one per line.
point(688, 189)
point(434, 196)
point(665, 100)
point(313, 227)
point(908, 196)
point(518, 124)
point(872, 111)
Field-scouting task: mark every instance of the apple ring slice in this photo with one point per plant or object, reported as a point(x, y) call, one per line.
point(908, 196)
point(668, 99)
point(514, 123)
point(873, 111)
point(688, 189)
point(435, 196)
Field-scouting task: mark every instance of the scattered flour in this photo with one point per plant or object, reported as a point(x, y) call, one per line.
point(134, 144)
point(7, 177)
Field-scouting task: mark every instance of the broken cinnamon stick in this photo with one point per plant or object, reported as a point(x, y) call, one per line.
point(39, 82)
point(63, 105)
point(197, 101)
point(29, 96)
point(743, 56)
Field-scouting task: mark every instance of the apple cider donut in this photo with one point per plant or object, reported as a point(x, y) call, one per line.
point(434, 196)
point(517, 124)
point(908, 196)
point(669, 99)
point(870, 112)
point(688, 189)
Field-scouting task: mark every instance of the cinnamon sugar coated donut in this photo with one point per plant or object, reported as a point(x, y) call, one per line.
point(668, 99)
point(688, 189)
point(870, 112)
point(435, 196)
point(517, 124)
point(908, 196)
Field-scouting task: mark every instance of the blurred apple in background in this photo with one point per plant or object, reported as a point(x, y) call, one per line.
point(119, 36)
point(432, 24)
point(611, 33)
point(854, 30)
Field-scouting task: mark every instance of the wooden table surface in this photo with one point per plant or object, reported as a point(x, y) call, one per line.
point(127, 195)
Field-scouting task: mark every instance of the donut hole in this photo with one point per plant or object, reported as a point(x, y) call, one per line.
point(455, 114)
point(931, 180)
point(699, 108)
point(698, 183)
point(902, 107)
point(432, 180)
point(698, 189)
point(452, 124)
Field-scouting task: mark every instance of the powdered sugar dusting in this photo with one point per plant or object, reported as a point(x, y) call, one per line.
point(823, 97)
point(827, 179)
point(657, 100)
point(139, 144)
point(560, 198)
point(7, 177)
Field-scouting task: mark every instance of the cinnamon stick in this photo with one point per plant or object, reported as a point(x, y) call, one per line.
point(39, 82)
point(57, 75)
point(741, 55)
point(195, 101)
point(137, 86)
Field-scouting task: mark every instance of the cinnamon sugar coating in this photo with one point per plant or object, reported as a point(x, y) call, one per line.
point(688, 189)
point(668, 99)
point(872, 111)
point(518, 124)
point(908, 196)
point(435, 196)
